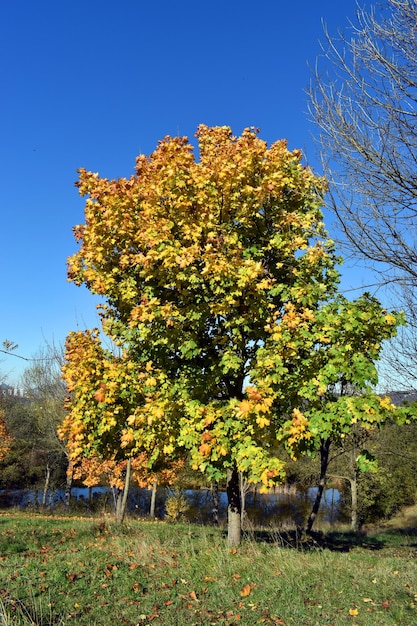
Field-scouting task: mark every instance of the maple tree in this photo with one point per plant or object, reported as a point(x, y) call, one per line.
point(105, 390)
point(213, 271)
point(338, 395)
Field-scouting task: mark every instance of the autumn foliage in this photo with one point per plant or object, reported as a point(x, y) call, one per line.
point(6, 439)
point(220, 289)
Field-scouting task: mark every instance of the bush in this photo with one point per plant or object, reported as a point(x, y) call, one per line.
point(176, 506)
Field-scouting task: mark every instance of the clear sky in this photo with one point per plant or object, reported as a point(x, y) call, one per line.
point(93, 83)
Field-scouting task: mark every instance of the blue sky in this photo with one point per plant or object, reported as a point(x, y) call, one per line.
point(94, 83)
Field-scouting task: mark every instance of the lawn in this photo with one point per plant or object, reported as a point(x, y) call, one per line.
point(74, 570)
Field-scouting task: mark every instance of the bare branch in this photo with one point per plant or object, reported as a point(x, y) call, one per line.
point(363, 99)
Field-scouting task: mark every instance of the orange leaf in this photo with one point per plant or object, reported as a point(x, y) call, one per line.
point(193, 595)
point(245, 407)
point(245, 591)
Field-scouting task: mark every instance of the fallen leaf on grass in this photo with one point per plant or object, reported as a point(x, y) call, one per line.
point(353, 611)
point(385, 604)
point(245, 591)
point(236, 577)
point(186, 596)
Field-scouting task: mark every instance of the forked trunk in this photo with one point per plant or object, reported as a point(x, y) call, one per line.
point(324, 462)
point(233, 508)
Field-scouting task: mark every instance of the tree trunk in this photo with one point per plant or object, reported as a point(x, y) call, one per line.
point(215, 498)
point(354, 522)
point(68, 487)
point(233, 507)
point(153, 499)
point(244, 487)
point(46, 485)
point(122, 499)
point(324, 462)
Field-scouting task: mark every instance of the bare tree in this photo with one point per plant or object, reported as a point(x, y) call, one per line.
point(364, 101)
point(45, 389)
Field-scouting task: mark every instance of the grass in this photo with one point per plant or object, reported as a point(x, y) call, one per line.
point(74, 570)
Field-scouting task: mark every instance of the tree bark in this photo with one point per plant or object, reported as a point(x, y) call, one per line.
point(354, 522)
point(244, 488)
point(153, 499)
point(324, 462)
point(233, 508)
point(122, 501)
point(215, 498)
point(68, 487)
point(46, 484)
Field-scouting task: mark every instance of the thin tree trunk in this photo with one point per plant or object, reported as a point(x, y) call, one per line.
point(46, 485)
point(215, 498)
point(68, 487)
point(354, 522)
point(234, 507)
point(324, 462)
point(122, 499)
point(153, 499)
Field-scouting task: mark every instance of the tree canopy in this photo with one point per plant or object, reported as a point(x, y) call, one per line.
point(216, 273)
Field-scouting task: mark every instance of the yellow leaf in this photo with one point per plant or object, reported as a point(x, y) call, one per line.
point(353, 611)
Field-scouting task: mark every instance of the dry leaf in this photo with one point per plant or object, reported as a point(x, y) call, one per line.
point(245, 591)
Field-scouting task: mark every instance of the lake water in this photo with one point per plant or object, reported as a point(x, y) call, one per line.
point(285, 506)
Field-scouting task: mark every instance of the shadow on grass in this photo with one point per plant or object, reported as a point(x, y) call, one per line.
point(335, 541)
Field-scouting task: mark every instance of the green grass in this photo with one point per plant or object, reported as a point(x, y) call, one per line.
point(57, 570)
